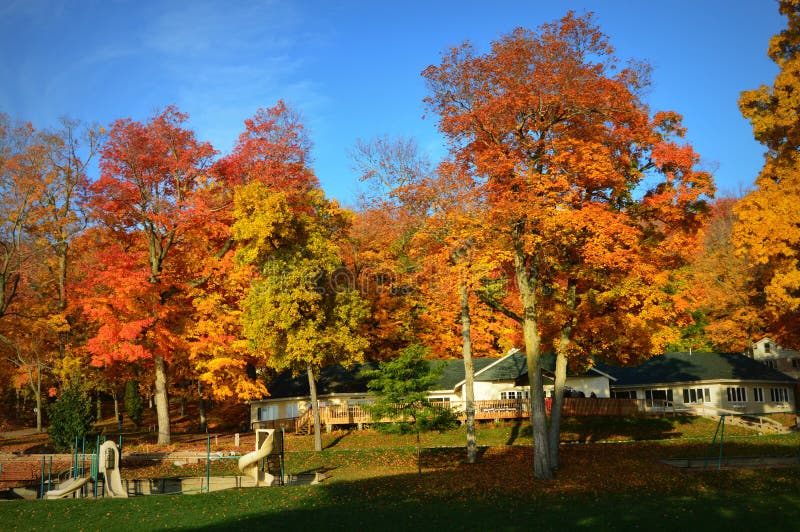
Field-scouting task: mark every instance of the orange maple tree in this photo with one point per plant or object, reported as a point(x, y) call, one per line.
point(148, 199)
point(567, 154)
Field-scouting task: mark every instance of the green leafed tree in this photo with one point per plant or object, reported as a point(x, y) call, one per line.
point(71, 417)
point(401, 387)
point(133, 402)
point(301, 312)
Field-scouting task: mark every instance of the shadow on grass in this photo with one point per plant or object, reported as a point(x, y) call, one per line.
point(464, 498)
point(339, 437)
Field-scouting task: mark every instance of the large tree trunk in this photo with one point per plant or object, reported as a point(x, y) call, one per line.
point(312, 385)
point(469, 375)
point(530, 329)
point(162, 401)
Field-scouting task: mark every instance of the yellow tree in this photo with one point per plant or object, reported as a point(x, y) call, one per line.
point(768, 230)
point(298, 315)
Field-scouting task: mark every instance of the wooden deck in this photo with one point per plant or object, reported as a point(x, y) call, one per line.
point(342, 415)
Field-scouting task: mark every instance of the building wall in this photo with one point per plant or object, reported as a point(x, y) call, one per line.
point(785, 360)
point(743, 396)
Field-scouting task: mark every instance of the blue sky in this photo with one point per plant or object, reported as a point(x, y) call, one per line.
point(353, 68)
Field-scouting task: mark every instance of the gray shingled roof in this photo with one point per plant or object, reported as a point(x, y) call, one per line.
point(692, 367)
point(337, 379)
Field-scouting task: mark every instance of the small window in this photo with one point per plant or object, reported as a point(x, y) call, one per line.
point(779, 395)
point(696, 395)
point(267, 413)
point(514, 394)
point(758, 395)
point(627, 394)
point(771, 363)
point(767, 347)
point(736, 394)
point(796, 363)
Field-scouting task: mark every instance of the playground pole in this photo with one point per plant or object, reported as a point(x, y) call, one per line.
point(50, 473)
point(83, 455)
point(721, 441)
point(41, 481)
point(208, 463)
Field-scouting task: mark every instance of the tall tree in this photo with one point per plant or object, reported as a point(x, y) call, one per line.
point(297, 315)
point(561, 142)
point(148, 198)
point(768, 230)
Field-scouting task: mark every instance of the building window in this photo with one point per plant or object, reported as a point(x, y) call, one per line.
point(626, 394)
point(267, 413)
point(779, 395)
point(736, 394)
point(444, 401)
point(767, 347)
point(696, 395)
point(796, 363)
point(514, 394)
point(658, 397)
point(758, 395)
point(771, 363)
point(292, 410)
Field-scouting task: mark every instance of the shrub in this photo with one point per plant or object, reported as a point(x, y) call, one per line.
point(133, 402)
point(71, 416)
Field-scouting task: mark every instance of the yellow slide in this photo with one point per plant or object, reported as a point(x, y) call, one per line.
point(248, 464)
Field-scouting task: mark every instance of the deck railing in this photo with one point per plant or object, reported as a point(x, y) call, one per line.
point(332, 415)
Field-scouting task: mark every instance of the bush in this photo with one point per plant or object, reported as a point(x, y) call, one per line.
point(133, 402)
point(71, 416)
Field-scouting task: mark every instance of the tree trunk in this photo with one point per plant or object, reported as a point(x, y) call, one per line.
point(183, 405)
point(201, 406)
point(312, 385)
point(115, 396)
point(530, 329)
point(419, 454)
point(558, 401)
point(469, 374)
point(98, 406)
point(560, 377)
point(38, 399)
point(162, 401)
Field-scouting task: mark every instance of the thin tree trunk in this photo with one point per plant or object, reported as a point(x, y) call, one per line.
point(98, 406)
point(38, 393)
point(419, 454)
point(162, 401)
point(183, 405)
point(558, 401)
point(312, 385)
point(469, 373)
point(201, 406)
point(530, 330)
point(115, 396)
point(560, 378)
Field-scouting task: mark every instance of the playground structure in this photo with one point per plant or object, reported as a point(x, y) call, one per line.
point(104, 461)
point(249, 463)
point(716, 450)
point(95, 471)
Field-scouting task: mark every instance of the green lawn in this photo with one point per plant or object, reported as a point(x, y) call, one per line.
point(603, 486)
